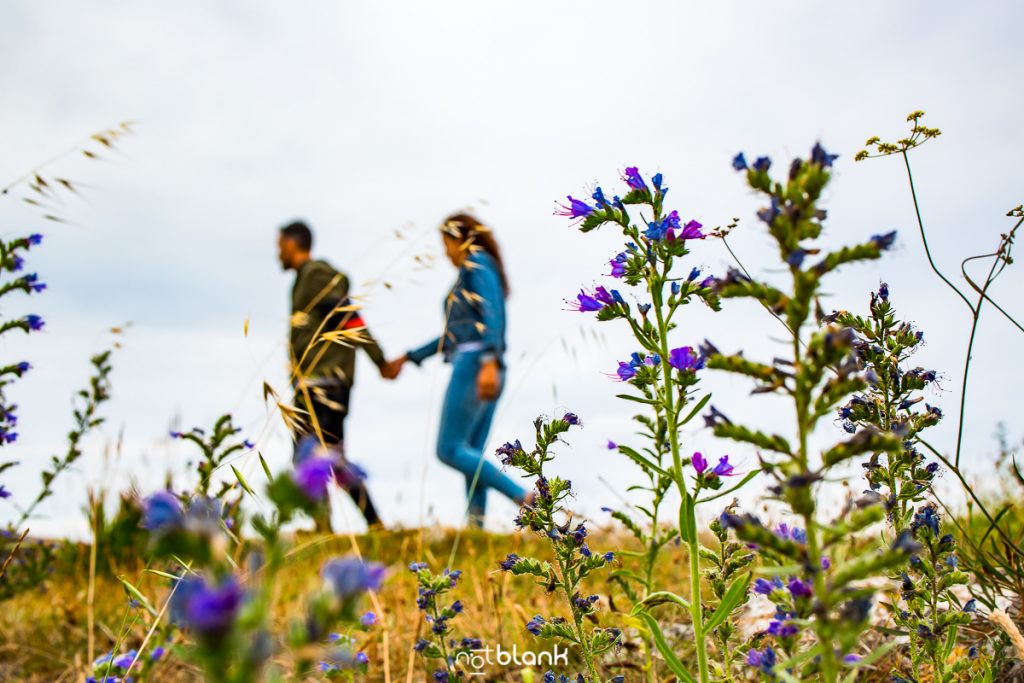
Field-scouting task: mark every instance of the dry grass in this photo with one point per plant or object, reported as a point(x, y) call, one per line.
point(44, 634)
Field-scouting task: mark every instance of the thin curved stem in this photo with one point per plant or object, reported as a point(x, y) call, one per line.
point(924, 237)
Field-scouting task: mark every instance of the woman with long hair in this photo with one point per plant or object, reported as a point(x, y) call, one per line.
point(473, 341)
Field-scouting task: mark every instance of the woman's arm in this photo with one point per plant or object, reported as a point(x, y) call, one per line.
point(424, 352)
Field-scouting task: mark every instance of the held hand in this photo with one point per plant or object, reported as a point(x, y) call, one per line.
point(392, 368)
point(488, 381)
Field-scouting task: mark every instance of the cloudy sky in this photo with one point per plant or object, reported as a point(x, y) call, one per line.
point(374, 120)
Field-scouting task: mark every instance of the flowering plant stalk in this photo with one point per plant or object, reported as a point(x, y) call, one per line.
point(86, 419)
point(573, 560)
point(439, 614)
point(926, 609)
point(665, 378)
point(226, 610)
point(12, 262)
point(821, 373)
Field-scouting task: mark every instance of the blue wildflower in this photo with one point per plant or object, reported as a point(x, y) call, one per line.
point(534, 625)
point(348, 576)
point(34, 322)
point(739, 162)
point(762, 164)
point(821, 157)
point(656, 181)
point(162, 511)
point(884, 241)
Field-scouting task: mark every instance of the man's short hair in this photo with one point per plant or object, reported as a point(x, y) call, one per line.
point(299, 233)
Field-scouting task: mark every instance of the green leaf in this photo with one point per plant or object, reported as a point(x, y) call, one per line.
point(703, 402)
point(241, 481)
point(266, 468)
point(166, 575)
point(641, 460)
point(637, 399)
point(661, 598)
point(950, 640)
point(663, 647)
point(687, 520)
point(136, 595)
point(733, 597)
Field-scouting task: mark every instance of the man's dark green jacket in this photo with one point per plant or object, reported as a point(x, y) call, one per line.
point(318, 292)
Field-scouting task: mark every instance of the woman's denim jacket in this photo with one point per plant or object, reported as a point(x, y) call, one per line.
point(474, 313)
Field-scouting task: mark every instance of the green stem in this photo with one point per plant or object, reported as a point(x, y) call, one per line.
point(568, 587)
point(696, 609)
point(802, 400)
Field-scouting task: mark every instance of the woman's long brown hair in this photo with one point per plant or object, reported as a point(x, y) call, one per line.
point(471, 232)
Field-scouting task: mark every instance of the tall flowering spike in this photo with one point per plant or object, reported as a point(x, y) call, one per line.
point(576, 208)
point(631, 176)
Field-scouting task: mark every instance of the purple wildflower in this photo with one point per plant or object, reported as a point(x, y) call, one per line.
point(739, 162)
point(574, 209)
point(312, 476)
point(723, 468)
point(34, 322)
point(204, 608)
point(631, 176)
point(626, 371)
point(798, 588)
point(765, 661)
point(618, 264)
point(685, 359)
point(700, 464)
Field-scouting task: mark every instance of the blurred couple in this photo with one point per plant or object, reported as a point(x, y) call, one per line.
point(327, 328)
